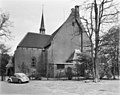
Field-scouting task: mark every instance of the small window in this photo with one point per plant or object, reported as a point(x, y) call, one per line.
point(73, 23)
point(60, 66)
point(33, 63)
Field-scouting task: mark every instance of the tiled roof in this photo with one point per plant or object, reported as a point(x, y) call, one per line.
point(34, 40)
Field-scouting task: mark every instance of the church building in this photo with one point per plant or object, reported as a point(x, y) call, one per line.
point(47, 54)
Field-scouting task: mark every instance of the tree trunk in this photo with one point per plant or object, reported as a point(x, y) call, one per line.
point(96, 41)
point(96, 57)
point(93, 67)
point(118, 59)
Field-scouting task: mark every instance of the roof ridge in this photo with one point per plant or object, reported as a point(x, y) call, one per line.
point(38, 33)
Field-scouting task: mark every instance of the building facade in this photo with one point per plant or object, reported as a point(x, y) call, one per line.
point(50, 53)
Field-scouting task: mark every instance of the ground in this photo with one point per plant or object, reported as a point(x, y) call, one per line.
point(60, 87)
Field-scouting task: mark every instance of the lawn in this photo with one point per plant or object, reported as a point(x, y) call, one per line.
point(60, 87)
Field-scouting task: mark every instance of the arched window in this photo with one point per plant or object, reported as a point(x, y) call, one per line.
point(33, 63)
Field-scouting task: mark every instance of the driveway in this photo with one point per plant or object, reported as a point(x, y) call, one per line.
point(105, 87)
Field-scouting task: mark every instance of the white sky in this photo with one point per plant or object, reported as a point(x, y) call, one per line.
point(26, 15)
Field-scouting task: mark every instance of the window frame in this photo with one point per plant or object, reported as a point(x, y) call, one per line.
point(33, 62)
point(60, 66)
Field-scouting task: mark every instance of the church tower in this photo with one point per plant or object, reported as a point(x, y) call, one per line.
point(42, 27)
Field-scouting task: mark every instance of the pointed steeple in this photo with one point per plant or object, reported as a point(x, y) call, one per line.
point(42, 26)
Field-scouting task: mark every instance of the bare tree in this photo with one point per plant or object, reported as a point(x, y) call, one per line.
point(102, 13)
point(4, 25)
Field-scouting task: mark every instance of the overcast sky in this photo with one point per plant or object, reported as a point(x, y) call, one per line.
point(26, 15)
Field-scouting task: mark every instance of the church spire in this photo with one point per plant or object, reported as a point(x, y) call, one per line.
point(42, 27)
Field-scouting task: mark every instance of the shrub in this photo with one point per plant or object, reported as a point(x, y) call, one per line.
point(35, 75)
point(105, 70)
point(69, 73)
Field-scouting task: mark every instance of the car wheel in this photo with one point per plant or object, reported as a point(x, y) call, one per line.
point(19, 81)
point(9, 81)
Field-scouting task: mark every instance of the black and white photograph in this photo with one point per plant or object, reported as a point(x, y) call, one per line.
point(59, 47)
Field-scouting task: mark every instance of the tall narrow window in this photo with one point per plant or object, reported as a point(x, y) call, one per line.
point(33, 63)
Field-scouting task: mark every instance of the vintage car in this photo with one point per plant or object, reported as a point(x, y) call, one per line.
point(18, 78)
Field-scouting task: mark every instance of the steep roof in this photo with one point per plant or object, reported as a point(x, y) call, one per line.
point(54, 33)
point(34, 40)
point(10, 64)
point(70, 17)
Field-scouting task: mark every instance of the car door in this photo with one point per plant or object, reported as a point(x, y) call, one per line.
point(14, 78)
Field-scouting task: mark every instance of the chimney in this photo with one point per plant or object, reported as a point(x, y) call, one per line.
point(76, 11)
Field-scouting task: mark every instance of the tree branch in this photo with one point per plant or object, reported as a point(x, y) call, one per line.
point(4, 24)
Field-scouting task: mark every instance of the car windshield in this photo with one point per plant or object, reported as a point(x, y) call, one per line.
point(23, 75)
point(20, 75)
